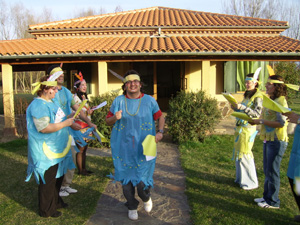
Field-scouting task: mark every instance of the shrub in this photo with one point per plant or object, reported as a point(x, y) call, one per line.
point(191, 116)
point(99, 115)
point(290, 72)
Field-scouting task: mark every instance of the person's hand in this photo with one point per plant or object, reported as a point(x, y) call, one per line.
point(69, 121)
point(93, 125)
point(118, 115)
point(71, 115)
point(256, 121)
point(76, 126)
point(292, 117)
point(235, 106)
point(158, 136)
point(90, 111)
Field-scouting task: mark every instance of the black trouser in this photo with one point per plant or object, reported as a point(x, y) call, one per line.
point(297, 197)
point(129, 192)
point(48, 193)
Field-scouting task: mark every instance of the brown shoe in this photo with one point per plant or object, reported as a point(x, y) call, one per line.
point(297, 218)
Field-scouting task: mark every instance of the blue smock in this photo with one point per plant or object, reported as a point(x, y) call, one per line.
point(57, 141)
point(127, 136)
point(63, 99)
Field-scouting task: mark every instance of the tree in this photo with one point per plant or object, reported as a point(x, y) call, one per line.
point(118, 9)
point(89, 12)
point(6, 30)
point(267, 9)
point(14, 20)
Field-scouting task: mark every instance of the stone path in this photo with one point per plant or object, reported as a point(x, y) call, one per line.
point(170, 204)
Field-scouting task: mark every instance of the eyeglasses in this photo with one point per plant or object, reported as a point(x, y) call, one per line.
point(132, 82)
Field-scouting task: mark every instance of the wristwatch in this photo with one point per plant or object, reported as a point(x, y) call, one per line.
point(261, 122)
point(161, 131)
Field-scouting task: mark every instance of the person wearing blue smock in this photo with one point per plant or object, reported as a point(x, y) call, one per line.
point(133, 117)
point(294, 164)
point(64, 99)
point(49, 155)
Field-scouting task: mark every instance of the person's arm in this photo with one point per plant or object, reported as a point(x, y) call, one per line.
point(83, 116)
point(292, 117)
point(280, 121)
point(161, 124)
point(112, 119)
point(53, 127)
point(256, 111)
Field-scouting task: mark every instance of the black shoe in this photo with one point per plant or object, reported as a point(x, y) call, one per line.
point(56, 214)
point(62, 205)
point(88, 171)
point(84, 173)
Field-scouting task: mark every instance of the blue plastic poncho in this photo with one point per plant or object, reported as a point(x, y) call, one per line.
point(127, 136)
point(46, 149)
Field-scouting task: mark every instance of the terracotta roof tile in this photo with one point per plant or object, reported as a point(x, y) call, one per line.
point(104, 45)
point(157, 16)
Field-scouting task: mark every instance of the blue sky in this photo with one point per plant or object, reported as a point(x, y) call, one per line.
point(65, 9)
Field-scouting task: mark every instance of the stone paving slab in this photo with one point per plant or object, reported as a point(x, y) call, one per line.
point(170, 204)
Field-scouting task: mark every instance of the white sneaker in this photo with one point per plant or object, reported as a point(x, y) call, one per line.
point(70, 190)
point(63, 193)
point(148, 205)
point(249, 188)
point(258, 200)
point(132, 214)
point(266, 205)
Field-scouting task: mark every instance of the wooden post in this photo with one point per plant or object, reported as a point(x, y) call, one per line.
point(8, 101)
point(155, 80)
point(102, 77)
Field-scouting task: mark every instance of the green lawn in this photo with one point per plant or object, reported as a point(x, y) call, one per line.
point(213, 196)
point(18, 199)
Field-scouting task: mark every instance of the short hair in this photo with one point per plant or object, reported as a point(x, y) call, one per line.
point(130, 72)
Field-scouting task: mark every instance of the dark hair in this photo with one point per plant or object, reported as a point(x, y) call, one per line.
point(249, 94)
point(280, 89)
point(78, 92)
point(50, 68)
point(129, 72)
point(43, 87)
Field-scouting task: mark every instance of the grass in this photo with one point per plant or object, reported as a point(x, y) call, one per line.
point(213, 196)
point(18, 199)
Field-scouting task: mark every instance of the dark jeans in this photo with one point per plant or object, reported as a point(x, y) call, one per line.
point(49, 199)
point(297, 197)
point(129, 192)
point(273, 152)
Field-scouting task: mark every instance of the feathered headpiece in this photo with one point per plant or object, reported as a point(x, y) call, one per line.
point(271, 71)
point(80, 78)
point(255, 75)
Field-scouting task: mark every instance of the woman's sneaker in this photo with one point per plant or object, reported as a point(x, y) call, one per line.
point(258, 200)
point(266, 205)
point(132, 214)
point(148, 205)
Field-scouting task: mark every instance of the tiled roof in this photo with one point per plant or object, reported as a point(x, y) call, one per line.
point(157, 17)
point(152, 32)
point(144, 45)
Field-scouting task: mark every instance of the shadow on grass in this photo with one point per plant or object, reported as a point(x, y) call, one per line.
point(222, 201)
point(19, 199)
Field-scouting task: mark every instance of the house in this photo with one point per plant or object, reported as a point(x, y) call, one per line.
point(173, 49)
